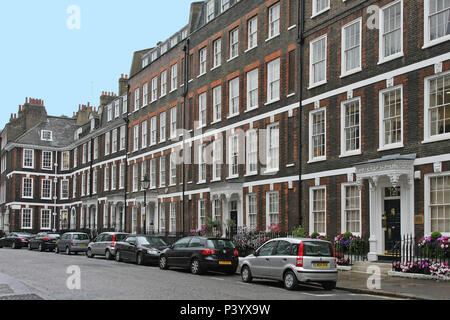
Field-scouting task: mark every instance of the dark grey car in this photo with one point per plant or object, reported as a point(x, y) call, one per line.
point(72, 242)
point(105, 245)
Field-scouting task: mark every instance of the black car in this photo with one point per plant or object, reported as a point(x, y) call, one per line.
point(140, 249)
point(200, 254)
point(44, 241)
point(15, 240)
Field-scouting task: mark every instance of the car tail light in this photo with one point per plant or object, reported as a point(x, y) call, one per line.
point(208, 252)
point(46, 239)
point(113, 243)
point(71, 242)
point(236, 253)
point(22, 240)
point(334, 255)
point(300, 256)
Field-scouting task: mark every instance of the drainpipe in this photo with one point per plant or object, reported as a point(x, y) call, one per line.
point(127, 121)
point(55, 197)
point(300, 42)
point(185, 93)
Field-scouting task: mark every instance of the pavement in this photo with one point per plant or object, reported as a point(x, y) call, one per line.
point(395, 287)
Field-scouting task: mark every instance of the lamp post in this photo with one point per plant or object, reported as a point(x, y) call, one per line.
point(145, 186)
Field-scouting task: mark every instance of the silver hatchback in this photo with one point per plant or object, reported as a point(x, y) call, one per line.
point(293, 260)
point(105, 245)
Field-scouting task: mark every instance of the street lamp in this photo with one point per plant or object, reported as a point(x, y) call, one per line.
point(145, 186)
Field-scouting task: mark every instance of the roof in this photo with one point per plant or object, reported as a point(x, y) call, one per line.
point(136, 64)
point(63, 130)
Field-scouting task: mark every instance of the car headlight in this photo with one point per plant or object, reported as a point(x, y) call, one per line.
point(152, 251)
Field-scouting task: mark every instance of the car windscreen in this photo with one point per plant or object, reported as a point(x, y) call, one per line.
point(317, 249)
point(154, 242)
point(220, 244)
point(54, 236)
point(120, 237)
point(80, 237)
point(25, 235)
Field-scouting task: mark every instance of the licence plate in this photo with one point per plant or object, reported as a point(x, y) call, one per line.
point(227, 263)
point(320, 265)
point(82, 245)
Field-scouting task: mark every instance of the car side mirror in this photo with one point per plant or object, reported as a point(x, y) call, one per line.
point(256, 253)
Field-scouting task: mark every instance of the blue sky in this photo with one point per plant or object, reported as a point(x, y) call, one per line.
point(43, 59)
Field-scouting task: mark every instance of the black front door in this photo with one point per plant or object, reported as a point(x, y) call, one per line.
point(392, 224)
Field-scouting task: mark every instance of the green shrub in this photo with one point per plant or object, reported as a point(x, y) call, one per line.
point(299, 232)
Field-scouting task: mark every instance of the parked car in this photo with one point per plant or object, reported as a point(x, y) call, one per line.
point(293, 260)
point(105, 245)
point(15, 240)
point(44, 241)
point(140, 249)
point(72, 242)
point(200, 254)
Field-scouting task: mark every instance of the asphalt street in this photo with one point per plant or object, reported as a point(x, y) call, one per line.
point(45, 275)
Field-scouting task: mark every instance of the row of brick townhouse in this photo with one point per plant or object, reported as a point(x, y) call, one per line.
point(332, 114)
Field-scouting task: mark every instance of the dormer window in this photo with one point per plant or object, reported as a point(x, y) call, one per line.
point(154, 55)
point(173, 41)
point(163, 48)
point(210, 10)
point(46, 135)
point(92, 125)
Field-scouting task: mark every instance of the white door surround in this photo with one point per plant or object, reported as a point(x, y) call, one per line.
point(390, 171)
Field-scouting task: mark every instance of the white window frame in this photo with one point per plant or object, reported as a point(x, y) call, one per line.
point(173, 123)
point(24, 158)
point(209, 10)
point(273, 80)
point(107, 143)
point(312, 82)
point(274, 22)
point(234, 43)
point(382, 144)
point(49, 219)
point(173, 169)
point(202, 57)
point(249, 226)
point(144, 136)
point(251, 138)
point(137, 99)
point(344, 210)
point(202, 167)
point(252, 33)
point(234, 95)
point(154, 89)
point(427, 41)
point(135, 182)
point(217, 45)
point(427, 128)
point(44, 152)
point(311, 206)
point(344, 152)
point(217, 103)
point(312, 158)
point(232, 140)
point(381, 57)
point(49, 181)
point(23, 188)
point(174, 77)
point(96, 148)
point(162, 171)
point(201, 213)
point(162, 126)
point(44, 132)
point(136, 138)
point(163, 83)
point(269, 221)
point(344, 62)
point(202, 110)
point(173, 218)
point(153, 131)
point(106, 179)
point(252, 89)
point(217, 160)
point(114, 141)
point(145, 94)
point(22, 225)
point(122, 138)
point(65, 182)
point(65, 164)
point(316, 12)
point(272, 157)
point(427, 202)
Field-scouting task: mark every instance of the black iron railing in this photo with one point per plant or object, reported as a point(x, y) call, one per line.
point(350, 251)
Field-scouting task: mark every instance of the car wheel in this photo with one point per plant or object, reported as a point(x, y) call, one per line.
point(290, 280)
point(89, 253)
point(140, 259)
point(68, 251)
point(29, 246)
point(246, 274)
point(14, 245)
point(108, 255)
point(195, 267)
point(118, 259)
point(56, 249)
point(41, 248)
point(163, 263)
point(329, 285)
